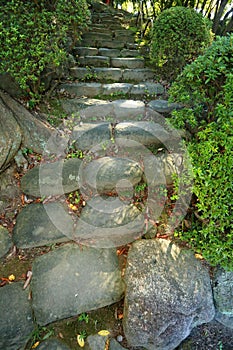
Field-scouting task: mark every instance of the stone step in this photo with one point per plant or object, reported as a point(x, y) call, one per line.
point(109, 44)
point(94, 61)
point(114, 62)
point(114, 89)
point(93, 51)
point(112, 74)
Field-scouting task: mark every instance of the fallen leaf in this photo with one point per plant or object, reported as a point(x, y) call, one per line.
point(28, 280)
point(104, 332)
point(35, 345)
point(11, 277)
point(80, 341)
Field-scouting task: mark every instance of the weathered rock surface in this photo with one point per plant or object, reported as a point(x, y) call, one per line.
point(87, 136)
point(98, 342)
point(5, 241)
point(163, 106)
point(52, 178)
point(145, 133)
point(74, 280)
point(168, 293)
point(108, 222)
point(223, 296)
point(52, 344)
point(10, 135)
point(35, 133)
point(107, 173)
point(38, 225)
point(16, 318)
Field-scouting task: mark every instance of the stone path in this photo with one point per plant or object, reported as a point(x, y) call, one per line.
point(117, 148)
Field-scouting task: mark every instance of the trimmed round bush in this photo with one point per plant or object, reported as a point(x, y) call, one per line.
point(179, 35)
point(205, 90)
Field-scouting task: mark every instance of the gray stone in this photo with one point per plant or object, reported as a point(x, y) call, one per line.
point(99, 36)
point(109, 222)
point(35, 133)
point(102, 111)
point(38, 225)
point(163, 106)
point(109, 52)
point(130, 63)
point(144, 133)
point(8, 84)
point(151, 89)
point(51, 179)
point(128, 109)
point(85, 51)
point(138, 75)
point(223, 291)
point(87, 135)
point(108, 74)
point(82, 89)
point(129, 53)
point(106, 174)
point(72, 280)
point(5, 241)
point(226, 320)
point(116, 88)
point(16, 318)
point(111, 44)
point(168, 293)
point(98, 61)
point(10, 135)
point(98, 342)
point(53, 344)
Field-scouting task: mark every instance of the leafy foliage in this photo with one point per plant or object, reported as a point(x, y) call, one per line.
point(205, 91)
point(35, 37)
point(179, 35)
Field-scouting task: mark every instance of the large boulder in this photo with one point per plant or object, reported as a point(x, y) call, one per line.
point(223, 296)
point(168, 293)
point(72, 280)
point(10, 135)
point(16, 318)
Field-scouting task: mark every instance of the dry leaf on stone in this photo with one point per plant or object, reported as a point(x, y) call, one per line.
point(80, 341)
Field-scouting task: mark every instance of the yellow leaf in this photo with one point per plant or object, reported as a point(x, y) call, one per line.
point(80, 341)
point(11, 277)
point(104, 332)
point(35, 345)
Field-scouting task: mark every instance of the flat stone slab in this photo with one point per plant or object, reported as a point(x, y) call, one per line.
point(116, 88)
point(223, 291)
point(82, 89)
point(51, 179)
point(151, 89)
point(168, 293)
point(87, 135)
point(5, 241)
point(109, 222)
point(86, 51)
point(97, 61)
point(42, 224)
point(143, 133)
point(98, 342)
point(106, 174)
point(53, 344)
point(72, 280)
point(128, 110)
point(137, 75)
point(163, 106)
point(16, 318)
point(130, 62)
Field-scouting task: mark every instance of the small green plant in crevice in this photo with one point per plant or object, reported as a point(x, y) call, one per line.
point(74, 197)
point(40, 333)
point(83, 317)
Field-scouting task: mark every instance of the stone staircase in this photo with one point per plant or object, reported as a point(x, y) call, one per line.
point(110, 63)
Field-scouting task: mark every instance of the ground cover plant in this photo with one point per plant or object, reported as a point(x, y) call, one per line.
point(35, 38)
point(205, 91)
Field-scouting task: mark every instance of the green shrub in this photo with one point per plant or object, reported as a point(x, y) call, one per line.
point(205, 90)
point(179, 35)
point(35, 35)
